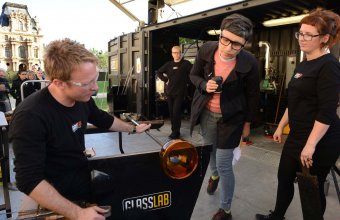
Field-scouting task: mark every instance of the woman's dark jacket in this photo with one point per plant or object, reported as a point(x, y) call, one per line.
point(31, 87)
point(239, 98)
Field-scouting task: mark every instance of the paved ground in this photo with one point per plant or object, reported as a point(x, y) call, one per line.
point(255, 175)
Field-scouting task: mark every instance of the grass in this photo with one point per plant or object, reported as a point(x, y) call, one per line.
point(102, 86)
point(102, 102)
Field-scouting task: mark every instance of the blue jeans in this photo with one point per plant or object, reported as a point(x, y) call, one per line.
point(220, 159)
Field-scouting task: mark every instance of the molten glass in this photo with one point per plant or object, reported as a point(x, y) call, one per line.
point(179, 159)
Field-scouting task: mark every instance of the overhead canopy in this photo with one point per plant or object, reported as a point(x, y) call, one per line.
point(175, 2)
point(195, 26)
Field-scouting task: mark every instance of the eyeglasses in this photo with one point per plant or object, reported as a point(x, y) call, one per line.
point(85, 85)
point(307, 37)
point(234, 45)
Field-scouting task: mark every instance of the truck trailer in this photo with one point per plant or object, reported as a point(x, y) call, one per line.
point(134, 57)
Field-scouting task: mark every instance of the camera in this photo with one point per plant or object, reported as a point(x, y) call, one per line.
point(218, 80)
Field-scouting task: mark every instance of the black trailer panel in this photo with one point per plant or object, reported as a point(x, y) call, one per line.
point(136, 187)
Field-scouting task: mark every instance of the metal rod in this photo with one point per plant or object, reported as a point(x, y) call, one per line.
point(147, 132)
point(120, 141)
point(125, 82)
point(128, 81)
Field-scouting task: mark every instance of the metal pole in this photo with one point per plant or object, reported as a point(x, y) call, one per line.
point(147, 132)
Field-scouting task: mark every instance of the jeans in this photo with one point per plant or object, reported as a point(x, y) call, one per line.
point(220, 159)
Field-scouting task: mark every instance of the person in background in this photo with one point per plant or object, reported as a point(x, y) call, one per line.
point(313, 95)
point(35, 68)
point(31, 87)
point(225, 116)
point(175, 74)
point(47, 132)
point(15, 91)
point(5, 104)
point(40, 74)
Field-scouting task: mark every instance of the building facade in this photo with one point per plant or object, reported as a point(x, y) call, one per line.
point(20, 38)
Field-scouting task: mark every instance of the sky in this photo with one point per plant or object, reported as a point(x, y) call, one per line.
point(95, 22)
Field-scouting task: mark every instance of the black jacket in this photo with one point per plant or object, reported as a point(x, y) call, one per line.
point(16, 90)
point(240, 91)
point(4, 94)
point(31, 88)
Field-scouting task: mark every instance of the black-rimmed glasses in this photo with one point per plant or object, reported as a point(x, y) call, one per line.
point(234, 45)
point(307, 37)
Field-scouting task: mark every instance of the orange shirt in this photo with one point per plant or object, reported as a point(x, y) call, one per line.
point(222, 68)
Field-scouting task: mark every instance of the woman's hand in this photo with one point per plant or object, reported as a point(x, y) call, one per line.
point(306, 156)
point(211, 86)
point(277, 136)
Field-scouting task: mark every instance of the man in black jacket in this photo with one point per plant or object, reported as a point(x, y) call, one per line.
point(176, 76)
point(225, 116)
point(5, 104)
point(16, 86)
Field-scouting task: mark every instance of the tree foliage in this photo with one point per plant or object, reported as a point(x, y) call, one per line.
point(183, 40)
point(102, 57)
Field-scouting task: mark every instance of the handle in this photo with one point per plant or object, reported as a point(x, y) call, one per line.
point(305, 171)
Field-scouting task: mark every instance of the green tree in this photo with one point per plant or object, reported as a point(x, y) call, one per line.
point(103, 58)
point(183, 40)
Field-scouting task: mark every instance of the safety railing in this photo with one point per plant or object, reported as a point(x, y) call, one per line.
point(31, 81)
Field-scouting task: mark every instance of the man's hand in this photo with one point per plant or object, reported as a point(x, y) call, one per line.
point(44, 193)
point(2, 87)
point(142, 127)
point(91, 213)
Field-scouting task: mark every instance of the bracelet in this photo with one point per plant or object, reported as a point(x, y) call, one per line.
point(133, 130)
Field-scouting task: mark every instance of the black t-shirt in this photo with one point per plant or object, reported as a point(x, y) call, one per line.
point(177, 75)
point(313, 95)
point(48, 143)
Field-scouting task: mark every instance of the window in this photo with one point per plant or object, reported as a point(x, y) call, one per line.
point(21, 26)
point(36, 52)
point(21, 38)
point(7, 52)
point(6, 37)
point(22, 52)
point(35, 40)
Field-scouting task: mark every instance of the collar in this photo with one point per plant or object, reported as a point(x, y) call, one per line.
point(244, 60)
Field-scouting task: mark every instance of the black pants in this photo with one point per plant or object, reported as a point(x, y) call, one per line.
point(286, 176)
point(175, 111)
